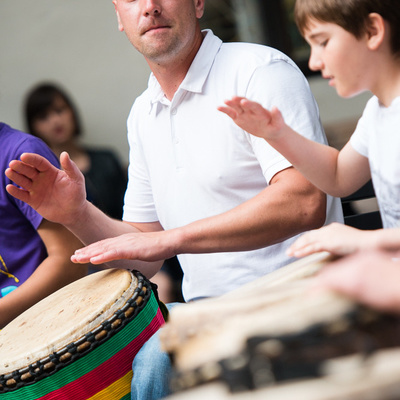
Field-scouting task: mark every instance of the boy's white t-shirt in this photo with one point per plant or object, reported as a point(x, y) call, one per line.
point(377, 137)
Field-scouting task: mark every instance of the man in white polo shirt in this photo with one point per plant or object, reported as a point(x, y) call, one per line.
point(188, 162)
point(199, 187)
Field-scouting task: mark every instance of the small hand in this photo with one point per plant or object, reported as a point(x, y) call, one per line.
point(336, 238)
point(254, 118)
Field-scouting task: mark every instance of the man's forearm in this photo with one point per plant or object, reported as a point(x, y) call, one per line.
point(289, 205)
point(92, 225)
point(279, 212)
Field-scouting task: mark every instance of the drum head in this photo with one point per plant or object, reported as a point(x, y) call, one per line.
point(64, 317)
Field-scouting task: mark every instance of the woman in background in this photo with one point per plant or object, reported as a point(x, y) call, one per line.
point(51, 115)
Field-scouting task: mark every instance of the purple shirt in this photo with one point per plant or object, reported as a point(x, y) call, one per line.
point(21, 248)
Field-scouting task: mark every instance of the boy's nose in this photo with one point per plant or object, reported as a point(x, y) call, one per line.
point(315, 63)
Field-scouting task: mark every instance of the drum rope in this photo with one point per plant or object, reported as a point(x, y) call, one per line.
point(126, 330)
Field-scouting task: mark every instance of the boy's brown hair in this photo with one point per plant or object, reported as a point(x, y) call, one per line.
point(351, 15)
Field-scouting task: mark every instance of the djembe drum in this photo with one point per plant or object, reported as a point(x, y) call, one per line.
point(79, 342)
point(271, 331)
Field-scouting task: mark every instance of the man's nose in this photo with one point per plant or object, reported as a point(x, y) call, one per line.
point(152, 7)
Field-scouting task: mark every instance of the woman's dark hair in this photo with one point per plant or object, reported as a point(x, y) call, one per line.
point(39, 102)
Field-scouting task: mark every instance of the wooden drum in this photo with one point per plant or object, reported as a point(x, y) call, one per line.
point(79, 343)
point(189, 320)
point(353, 378)
point(272, 331)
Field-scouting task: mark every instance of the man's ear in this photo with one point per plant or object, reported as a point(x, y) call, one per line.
point(120, 26)
point(376, 30)
point(199, 6)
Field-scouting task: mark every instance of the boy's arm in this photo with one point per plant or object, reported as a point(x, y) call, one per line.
point(336, 173)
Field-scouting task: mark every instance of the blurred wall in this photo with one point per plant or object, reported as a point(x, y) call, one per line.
point(77, 43)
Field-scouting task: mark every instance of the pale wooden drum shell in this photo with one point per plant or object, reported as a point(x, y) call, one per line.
point(351, 378)
point(194, 322)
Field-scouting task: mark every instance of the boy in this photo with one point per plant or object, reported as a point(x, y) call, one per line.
point(356, 45)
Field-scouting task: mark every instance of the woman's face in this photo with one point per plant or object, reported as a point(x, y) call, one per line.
point(56, 126)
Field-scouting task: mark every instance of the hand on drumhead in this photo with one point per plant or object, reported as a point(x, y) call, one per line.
point(369, 277)
point(335, 238)
point(55, 194)
point(144, 246)
point(254, 118)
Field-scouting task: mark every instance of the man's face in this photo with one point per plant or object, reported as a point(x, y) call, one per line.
point(159, 29)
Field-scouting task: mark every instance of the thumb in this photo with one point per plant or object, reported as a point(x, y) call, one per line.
point(276, 114)
point(277, 118)
point(69, 166)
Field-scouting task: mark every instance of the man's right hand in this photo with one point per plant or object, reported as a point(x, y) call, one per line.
point(58, 195)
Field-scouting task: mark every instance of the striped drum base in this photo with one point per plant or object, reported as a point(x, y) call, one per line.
point(98, 366)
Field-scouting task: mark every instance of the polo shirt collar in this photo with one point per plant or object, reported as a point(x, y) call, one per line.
point(198, 71)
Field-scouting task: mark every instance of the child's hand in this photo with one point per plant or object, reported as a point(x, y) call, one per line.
point(254, 118)
point(336, 238)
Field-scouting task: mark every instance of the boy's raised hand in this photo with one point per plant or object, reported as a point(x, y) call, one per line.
point(254, 118)
point(58, 195)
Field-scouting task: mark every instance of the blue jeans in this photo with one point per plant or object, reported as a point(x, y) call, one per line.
point(151, 370)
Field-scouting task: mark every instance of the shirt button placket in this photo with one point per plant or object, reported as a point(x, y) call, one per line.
point(175, 137)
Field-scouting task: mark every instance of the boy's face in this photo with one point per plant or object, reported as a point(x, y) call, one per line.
point(339, 55)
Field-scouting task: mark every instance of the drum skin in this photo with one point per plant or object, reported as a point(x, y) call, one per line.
point(79, 342)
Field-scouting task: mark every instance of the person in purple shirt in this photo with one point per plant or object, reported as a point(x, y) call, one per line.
point(34, 253)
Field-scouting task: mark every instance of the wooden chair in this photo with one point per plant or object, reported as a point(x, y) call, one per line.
point(364, 220)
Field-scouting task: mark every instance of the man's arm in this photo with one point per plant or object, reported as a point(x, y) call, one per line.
point(60, 196)
point(288, 206)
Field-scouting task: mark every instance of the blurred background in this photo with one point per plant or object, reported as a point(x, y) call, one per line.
point(76, 43)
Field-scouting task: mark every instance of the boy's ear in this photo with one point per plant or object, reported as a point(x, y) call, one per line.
point(376, 30)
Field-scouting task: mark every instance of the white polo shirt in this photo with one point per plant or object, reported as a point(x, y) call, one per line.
point(189, 161)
